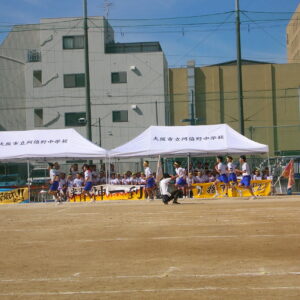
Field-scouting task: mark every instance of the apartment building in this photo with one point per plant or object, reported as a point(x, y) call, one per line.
point(293, 37)
point(43, 80)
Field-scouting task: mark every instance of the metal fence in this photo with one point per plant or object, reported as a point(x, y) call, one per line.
point(276, 165)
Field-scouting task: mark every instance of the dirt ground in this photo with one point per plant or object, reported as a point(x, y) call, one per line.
point(201, 249)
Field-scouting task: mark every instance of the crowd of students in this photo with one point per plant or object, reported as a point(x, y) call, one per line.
point(88, 176)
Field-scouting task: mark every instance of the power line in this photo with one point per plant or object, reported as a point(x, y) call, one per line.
point(257, 98)
point(255, 22)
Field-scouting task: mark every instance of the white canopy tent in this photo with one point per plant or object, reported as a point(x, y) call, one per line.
point(202, 140)
point(43, 145)
point(16, 146)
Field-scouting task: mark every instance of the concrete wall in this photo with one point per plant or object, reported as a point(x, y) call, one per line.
point(13, 57)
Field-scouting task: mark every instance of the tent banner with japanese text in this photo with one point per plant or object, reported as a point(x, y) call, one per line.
point(107, 192)
point(19, 195)
point(207, 190)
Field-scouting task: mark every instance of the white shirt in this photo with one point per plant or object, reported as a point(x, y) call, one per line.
point(163, 185)
point(148, 172)
point(114, 181)
point(134, 181)
point(62, 183)
point(200, 179)
point(126, 181)
point(70, 183)
point(246, 169)
point(221, 168)
point(87, 176)
point(190, 181)
point(78, 182)
point(205, 178)
point(230, 167)
point(53, 173)
point(180, 172)
point(143, 181)
point(255, 177)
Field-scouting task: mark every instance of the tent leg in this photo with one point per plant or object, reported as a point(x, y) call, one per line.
point(28, 181)
point(109, 175)
point(270, 174)
point(106, 173)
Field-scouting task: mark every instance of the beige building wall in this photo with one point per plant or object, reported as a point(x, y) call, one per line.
point(271, 101)
point(178, 95)
point(293, 37)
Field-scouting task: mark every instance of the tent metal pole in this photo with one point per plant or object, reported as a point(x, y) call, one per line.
point(28, 180)
point(270, 174)
point(109, 175)
point(106, 174)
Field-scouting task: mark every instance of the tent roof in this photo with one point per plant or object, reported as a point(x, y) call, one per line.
point(202, 140)
point(46, 144)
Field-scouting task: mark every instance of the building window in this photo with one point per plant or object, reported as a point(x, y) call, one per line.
point(38, 117)
point(33, 55)
point(37, 78)
point(119, 77)
point(75, 119)
point(74, 80)
point(120, 116)
point(73, 42)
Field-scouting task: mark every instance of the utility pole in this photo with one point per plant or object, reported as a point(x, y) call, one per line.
point(192, 122)
point(239, 67)
point(87, 75)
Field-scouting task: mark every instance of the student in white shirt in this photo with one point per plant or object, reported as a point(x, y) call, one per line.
point(246, 180)
point(165, 194)
point(256, 175)
point(231, 169)
point(88, 184)
point(101, 178)
point(222, 170)
point(143, 179)
point(150, 181)
point(232, 179)
point(113, 180)
point(78, 181)
point(181, 183)
point(54, 181)
point(62, 185)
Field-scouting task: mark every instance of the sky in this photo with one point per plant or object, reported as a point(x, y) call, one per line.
point(203, 30)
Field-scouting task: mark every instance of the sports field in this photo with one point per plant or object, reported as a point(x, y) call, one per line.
point(202, 249)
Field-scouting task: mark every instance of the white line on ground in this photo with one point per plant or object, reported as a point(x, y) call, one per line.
point(205, 288)
point(172, 238)
point(169, 272)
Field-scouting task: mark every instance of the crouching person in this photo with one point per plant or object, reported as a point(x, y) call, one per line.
point(165, 194)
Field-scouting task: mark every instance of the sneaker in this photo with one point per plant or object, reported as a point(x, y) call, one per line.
point(225, 196)
point(176, 202)
point(253, 198)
